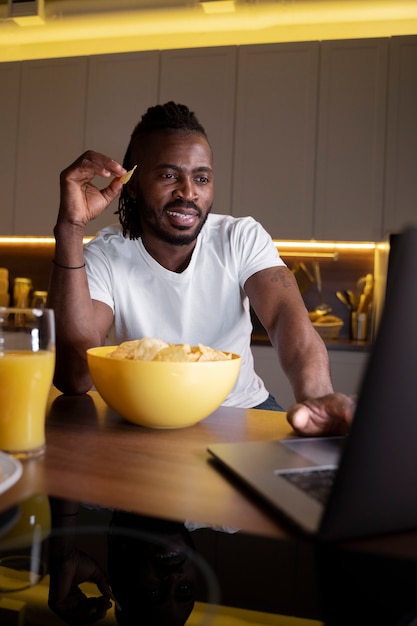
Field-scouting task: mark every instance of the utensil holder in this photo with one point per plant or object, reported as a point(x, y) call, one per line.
point(359, 323)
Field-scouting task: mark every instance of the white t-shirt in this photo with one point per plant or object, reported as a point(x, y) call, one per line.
point(205, 303)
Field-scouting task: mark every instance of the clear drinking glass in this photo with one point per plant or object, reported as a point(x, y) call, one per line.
point(27, 361)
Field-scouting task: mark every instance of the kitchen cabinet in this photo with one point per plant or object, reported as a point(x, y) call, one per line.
point(10, 87)
point(120, 89)
point(347, 368)
point(304, 178)
point(71, 105)
point(68, 106)
point(301, 132)
point(401, 173)
point(204, 79)
point(274, 154)
point(50, 136)
point(351, 139)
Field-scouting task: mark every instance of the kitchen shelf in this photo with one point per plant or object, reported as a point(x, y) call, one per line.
point(342, 344)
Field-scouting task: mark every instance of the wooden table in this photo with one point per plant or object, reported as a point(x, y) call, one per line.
point(93, 455)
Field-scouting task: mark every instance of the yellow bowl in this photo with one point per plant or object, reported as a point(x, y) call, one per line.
point(161, 394)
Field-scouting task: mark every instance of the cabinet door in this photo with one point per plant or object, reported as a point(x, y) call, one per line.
point(273, 177)
point(204, 80)
point(9, 96)
point(268, 368)
point(120, 89)
point(350, 151)
point(347, 368)
point(51, 136)
point(401, 170)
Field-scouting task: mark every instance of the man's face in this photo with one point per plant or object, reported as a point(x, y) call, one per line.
point(173, 185)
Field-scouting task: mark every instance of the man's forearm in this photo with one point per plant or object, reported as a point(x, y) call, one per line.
point(76, 329)
point(305, 361)
point(310, 376)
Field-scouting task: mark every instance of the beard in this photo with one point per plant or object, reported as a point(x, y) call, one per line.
point(151, 219)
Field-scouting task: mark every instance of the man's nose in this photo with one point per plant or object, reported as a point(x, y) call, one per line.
point(186, 189)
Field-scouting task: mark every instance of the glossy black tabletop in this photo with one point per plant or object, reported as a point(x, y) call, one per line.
point(59, 558)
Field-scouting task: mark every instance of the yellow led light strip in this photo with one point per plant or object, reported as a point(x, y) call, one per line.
point(313, 255)
point(325, 245)
point(306, 249)
point(36, 240)
point(292, 245)
point(322, 249)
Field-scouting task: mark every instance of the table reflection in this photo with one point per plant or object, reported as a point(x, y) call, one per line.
point(81, 564)
point(147, 568)
point(156, 575)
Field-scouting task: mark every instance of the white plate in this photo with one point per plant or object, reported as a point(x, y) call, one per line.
point(10, 471)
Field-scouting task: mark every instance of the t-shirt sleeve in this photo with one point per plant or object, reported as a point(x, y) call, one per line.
point(254, 249)
point(99, 275)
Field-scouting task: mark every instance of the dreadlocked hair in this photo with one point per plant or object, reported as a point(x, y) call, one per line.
point(165, 118)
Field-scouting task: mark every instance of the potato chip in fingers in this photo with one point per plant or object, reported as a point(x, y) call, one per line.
point(126, 177)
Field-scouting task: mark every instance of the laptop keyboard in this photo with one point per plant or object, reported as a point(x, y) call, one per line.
point(316, 482)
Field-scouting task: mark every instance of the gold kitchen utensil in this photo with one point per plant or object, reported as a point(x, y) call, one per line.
point(302, 276)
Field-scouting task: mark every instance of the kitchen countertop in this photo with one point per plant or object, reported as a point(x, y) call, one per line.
point(348, 345)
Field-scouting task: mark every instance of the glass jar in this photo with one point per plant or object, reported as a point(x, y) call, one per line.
point(21, 292)
point(4, 286)
point(39, 299)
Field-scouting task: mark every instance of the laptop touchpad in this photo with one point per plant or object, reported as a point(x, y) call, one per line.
point(318, 450)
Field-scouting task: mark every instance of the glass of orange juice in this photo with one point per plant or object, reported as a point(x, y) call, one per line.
point(27, 361)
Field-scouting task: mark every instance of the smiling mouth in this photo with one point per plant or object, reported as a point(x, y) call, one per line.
point(182, 217)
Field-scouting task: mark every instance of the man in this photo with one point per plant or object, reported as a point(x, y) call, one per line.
point(175, 271)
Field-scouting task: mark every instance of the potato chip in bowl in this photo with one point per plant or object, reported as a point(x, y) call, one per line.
point(144, 349)
point(150, 349)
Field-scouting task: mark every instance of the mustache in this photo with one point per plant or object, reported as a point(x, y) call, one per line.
point(182, 204)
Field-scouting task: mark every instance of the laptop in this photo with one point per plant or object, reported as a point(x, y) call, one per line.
point(374, 490)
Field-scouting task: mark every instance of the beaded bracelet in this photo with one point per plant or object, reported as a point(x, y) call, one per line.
point(67, 267)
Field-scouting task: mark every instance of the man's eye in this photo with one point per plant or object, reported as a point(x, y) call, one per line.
point(203, 180)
